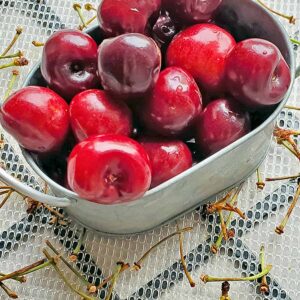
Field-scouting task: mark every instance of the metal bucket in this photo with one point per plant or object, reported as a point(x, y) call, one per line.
point(204, 180)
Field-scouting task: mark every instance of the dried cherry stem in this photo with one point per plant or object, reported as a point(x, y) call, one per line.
point(207, 278)
point(20, 279)
point(10, 293)
point(63, 277)
point(225, 291)
point(260, 183)
point(26, 270)
point(15, 75)
point(80, 276)
point(137, 265)
point(81, 27)
point(186, 272)
point(264, 287)
point(283, 178)
point(17, 62)
point(6, 198)
point(215, 247)
point(290, 106)
point(280, 229)
point(19, 31)
point(38, 44)
point(114, 280)
point(295, 41)
point(89, 7)
point(73, 256)
point(17, 54)
point(77, 8)
point(223, 225)
point(291, 19)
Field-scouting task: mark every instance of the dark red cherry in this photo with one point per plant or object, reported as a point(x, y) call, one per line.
point(69, 63)
point(109, 169)
point(174, 104)
point(257, 74)
point(129, 65)
point(202, 50)
point(37, 118)
point(222, 122)
point(93, 112)
point(168, 158)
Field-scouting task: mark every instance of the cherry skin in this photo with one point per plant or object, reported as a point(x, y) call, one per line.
point(69, 63)
point(37, 118)
point(126, 16)
point(222, 122)
point(202, 50)
point(191, 11)
point(174, 104)
point(129, 65)
point(257, 74)
point(168, 158)
point(93, 112)
point(109, 169)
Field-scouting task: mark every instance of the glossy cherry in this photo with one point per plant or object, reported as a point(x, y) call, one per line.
point(202, 50)
point(191, 11)
point(109, 169)
point(93, 112)
point(69, 63)
point(174, 104)
point(126, 16)
point(222, 122)
point(129, 65)
point(257, 74)
point(168, 158)
point(37, 118)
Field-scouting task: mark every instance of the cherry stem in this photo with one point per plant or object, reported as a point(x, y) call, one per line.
point(77, 8)
point(6, 198)
point(20, 279)
point(66, 281)
point(215, 247)
point(295, 41)
point(81, 27)
point(17, 54)
point(11, 294)
point(187, 273)
point(89, 7)
point(17, 62)
point(260, 183)
point(207, 278)
point(283, 178)
point(137, 265)
point(292, 107)
point(225, 290)
point(291, 19)
point(219, 205)
point(223, 225)
point(74, 254)
point(19, 30)
point(264, 287)
point(82, 278)
point(15, 75)
point(25, 270)
point(114, 280)
point(38, 44)
point(280, 229)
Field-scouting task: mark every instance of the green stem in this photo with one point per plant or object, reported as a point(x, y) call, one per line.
point(264, 287)
point(295, 41)
point(77, 8)
point(42, 266)
point(207, 278)
point(260, 184)
point(17, 54)
point(19, 30)
point(20, 279)
point(11, 84)
point(113, 281)
point(80, 241)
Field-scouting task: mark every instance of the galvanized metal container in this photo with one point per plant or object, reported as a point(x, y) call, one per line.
point(189, 189)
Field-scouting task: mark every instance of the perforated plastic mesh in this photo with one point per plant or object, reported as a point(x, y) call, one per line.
point(22, 235)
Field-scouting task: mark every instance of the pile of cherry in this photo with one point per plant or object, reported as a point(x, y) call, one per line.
point(112, 122)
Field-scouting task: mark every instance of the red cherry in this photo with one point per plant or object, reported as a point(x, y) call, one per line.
point(126, 16)
point(222, 122)
point(93, 112)
point(168, 158)
point(37, 118)
point(202, 51)
point(69, 63)
point(257, 74)
point(109, 169)
point(174, 105)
